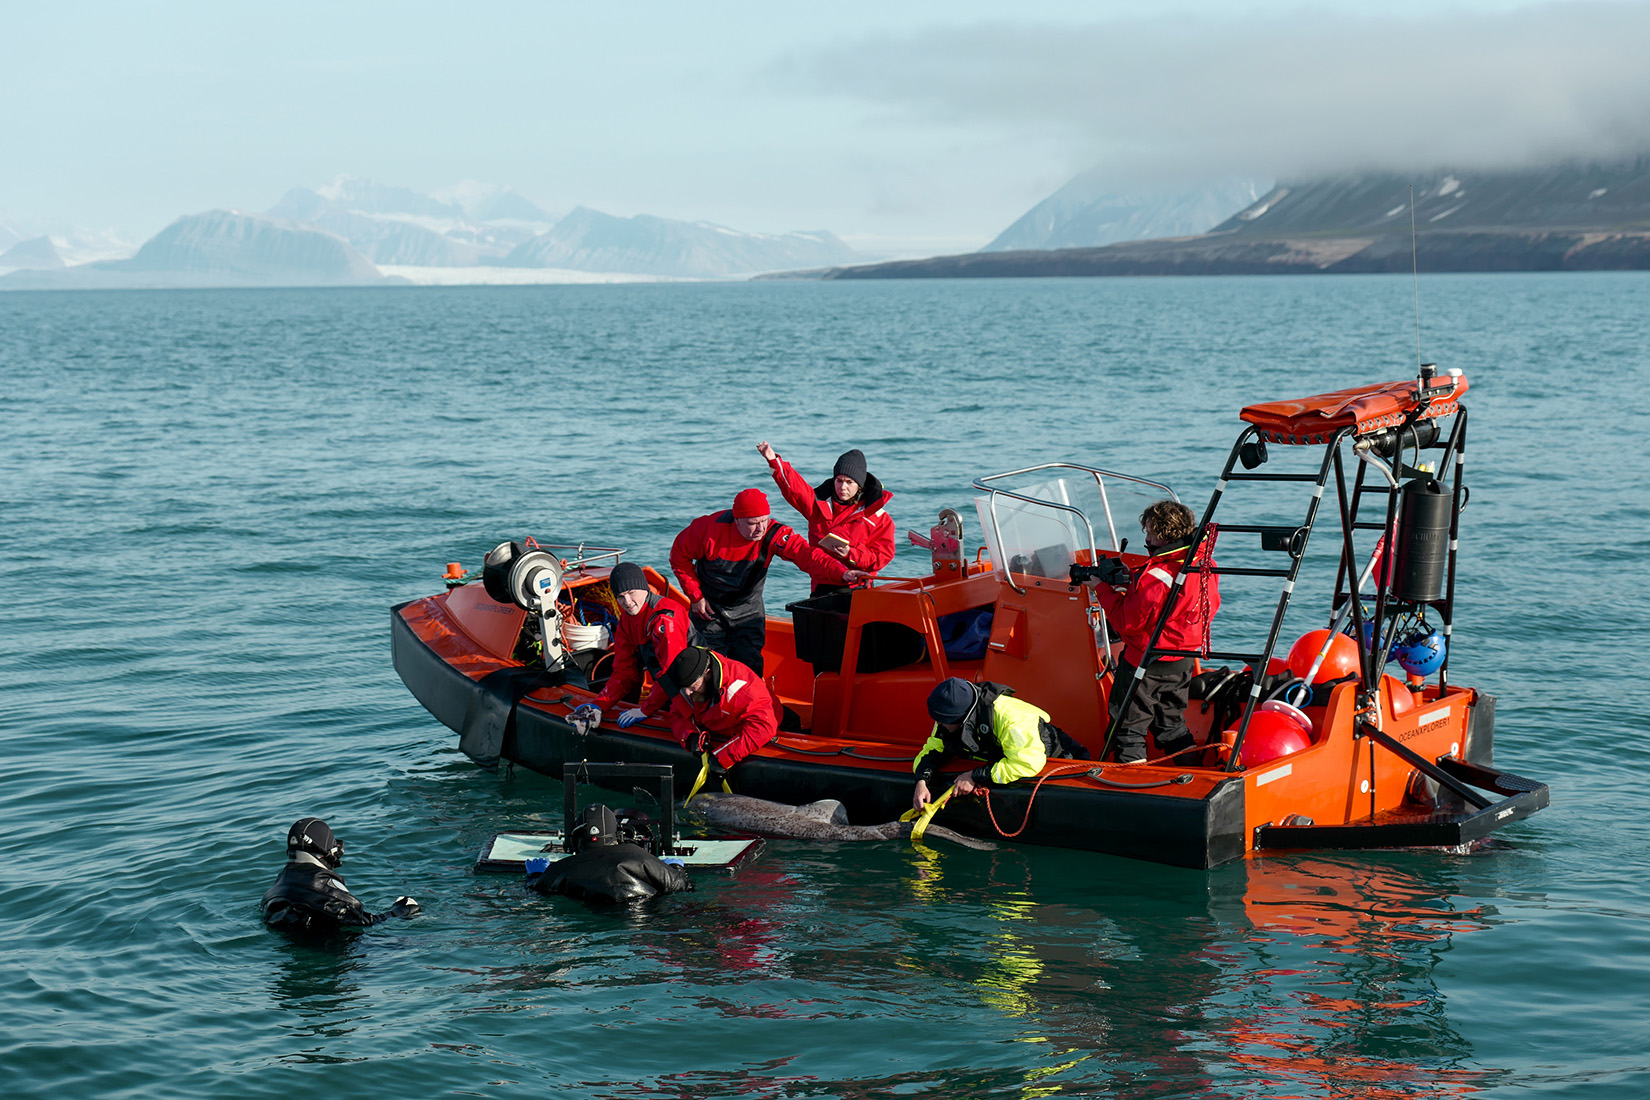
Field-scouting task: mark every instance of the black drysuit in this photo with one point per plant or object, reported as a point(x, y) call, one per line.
point(612, 872)
point(309, 896)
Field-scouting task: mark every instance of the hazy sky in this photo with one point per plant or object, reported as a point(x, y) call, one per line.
point(918, 124)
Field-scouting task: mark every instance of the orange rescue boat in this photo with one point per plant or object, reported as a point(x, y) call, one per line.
point(1324, 748)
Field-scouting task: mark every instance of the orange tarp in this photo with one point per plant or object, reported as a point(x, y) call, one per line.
point(1383, 405)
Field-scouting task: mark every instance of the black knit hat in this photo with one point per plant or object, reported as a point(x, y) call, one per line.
point(950, 702)
point(851, 464)
point(627, 577)
point(689, 665)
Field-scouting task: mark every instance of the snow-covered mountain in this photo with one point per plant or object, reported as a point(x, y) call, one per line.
point(1608, 196)
point(588, 240)
point(395, 225)
point(490, 202)
point(355, 230)
point(1086, 213)
point(220, 248)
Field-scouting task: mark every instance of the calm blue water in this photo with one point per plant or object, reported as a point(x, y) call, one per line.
point(211, 499)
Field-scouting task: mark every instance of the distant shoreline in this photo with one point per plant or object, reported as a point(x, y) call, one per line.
point(1481, 251)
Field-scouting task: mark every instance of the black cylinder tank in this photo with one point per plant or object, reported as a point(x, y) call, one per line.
point(1423, 541)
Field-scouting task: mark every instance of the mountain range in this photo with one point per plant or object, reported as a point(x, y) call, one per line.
point(218, 248)
point(1574, 216)
point(587, 240)
point(357, 232)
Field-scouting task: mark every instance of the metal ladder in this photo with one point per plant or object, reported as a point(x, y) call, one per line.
point(1292, 540)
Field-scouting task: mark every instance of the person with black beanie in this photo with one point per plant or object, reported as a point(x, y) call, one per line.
point(653, 628)
point(847, 513)
point(984, 722)
point(721, 707)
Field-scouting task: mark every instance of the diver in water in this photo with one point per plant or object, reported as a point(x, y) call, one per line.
point(310, 896)
point(605, 866)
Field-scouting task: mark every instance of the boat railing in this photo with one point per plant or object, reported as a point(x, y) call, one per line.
point(578, 559)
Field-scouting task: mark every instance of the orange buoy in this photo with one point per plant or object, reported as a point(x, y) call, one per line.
point(1293, 713)
point(1271, 736)
point(1400, 700)
point(1341, 660)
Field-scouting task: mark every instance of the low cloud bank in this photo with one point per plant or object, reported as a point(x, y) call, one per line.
point(1287, 96)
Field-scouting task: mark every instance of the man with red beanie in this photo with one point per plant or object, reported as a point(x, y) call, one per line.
point(721, 561)
point(652, 630)
point(847, 513)
point(721, 706)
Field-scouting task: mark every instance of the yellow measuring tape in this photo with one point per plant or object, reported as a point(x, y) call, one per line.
point(926, 814)
point(704, 773)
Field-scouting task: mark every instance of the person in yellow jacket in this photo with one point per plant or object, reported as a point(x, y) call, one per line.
point(985, 722)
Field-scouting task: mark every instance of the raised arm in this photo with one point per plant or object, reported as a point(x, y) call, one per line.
point(792, 486)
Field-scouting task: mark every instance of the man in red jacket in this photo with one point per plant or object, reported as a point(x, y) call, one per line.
point(721, 561)
point(721, 706)
point(652, 630)
point(847, 513)
point(1159, 704)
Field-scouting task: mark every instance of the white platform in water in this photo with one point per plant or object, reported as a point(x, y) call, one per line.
point(511, 851)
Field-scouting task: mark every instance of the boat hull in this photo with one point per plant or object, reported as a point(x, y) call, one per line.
point(1184, 829)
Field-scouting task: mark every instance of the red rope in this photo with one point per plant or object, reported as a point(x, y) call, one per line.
point(1081, 766)
point(1203, 566)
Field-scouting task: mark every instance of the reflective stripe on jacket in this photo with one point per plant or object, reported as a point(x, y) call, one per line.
point(865, 524)
point(662, 630)
point(1133, 612)
point(740, 717)
point(713, 561)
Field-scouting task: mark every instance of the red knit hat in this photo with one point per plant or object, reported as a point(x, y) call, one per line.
point(750, 504)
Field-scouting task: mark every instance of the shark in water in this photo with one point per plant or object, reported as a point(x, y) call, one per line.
point(823, 820)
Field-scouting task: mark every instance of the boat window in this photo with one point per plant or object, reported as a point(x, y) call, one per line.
point(1039, 526)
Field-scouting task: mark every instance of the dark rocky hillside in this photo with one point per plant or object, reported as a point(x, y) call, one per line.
point(1565, 218)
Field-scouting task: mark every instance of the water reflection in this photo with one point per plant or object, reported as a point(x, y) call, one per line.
point(1312, 975)
point(1022, 972)
point(1337, 972)
point(315, 986)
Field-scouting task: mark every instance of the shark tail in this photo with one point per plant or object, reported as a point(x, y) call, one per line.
point(942, 833)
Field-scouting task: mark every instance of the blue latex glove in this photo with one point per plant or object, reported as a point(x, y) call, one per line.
point(586, 718)
point(631, 717)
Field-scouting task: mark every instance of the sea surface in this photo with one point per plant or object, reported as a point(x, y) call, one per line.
point(211, 500)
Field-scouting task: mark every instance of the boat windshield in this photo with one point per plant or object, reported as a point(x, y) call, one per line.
point(1039, 520)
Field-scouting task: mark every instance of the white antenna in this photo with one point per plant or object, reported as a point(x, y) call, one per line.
point(1415, 264)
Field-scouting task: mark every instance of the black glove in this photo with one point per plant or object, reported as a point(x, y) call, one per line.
point(698, 742)
point(405, 907)
point(1110, 571)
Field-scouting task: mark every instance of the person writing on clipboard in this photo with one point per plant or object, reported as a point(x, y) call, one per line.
point(847, 513)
